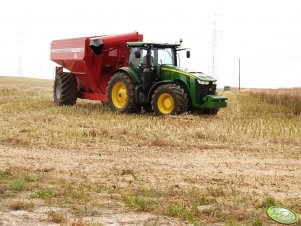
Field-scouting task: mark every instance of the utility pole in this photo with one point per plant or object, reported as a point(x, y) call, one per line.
point(213, 45)
point(20, 66)
point(214, 61)
point(239, 74)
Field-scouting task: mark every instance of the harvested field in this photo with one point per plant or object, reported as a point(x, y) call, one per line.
point(290, 98)
point(84, 165)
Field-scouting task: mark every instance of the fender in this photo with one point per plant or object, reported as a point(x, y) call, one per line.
point(152, 89)
point(134, 75)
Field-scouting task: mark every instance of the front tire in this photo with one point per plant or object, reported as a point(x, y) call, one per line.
point(169, 99)
point(65, 90)
point(121, 93)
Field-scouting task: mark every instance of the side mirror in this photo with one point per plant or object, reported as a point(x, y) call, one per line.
point(188, 53)
point(137, 54)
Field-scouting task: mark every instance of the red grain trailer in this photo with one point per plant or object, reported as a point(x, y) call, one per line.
point(91, 61)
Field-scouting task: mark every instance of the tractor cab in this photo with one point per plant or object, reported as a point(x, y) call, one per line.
point(153, 56)
point(158, 54)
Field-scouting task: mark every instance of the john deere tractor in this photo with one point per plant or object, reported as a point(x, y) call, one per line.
point(153, 81)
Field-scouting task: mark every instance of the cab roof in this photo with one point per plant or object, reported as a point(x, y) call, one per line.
point(152, 44)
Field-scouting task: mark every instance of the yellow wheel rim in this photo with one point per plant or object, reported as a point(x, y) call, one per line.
point(119, 95)
point(165, 103)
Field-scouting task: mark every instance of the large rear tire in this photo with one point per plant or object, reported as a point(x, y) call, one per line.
point(65, 89)
point(169, 99)
point(121, 94)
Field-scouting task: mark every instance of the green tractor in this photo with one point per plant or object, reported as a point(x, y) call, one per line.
point(153, 81)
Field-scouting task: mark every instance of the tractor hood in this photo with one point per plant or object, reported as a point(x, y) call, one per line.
point(203, 77)
point(197, 75)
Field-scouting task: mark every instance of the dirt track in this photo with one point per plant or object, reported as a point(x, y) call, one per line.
point(248, 171)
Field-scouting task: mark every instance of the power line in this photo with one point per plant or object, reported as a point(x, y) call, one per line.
point(214, 45)
point(20, 41)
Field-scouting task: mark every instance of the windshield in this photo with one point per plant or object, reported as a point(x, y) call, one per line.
point(164, 56)
point(159, 56)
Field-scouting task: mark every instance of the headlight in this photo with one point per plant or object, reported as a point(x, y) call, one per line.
point(203, 82)
point(214, 83)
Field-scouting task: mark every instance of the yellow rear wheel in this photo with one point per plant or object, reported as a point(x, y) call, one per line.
point(119, 95)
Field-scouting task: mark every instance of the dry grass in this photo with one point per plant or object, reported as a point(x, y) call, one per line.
point(52, 190)
point(248, 127)
point(289, 98)
point(21, 205)
point(29, 117)
point(56, 217)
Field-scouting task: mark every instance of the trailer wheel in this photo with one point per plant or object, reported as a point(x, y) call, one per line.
point(65, 90)
point(169, 99)
point(121, 94)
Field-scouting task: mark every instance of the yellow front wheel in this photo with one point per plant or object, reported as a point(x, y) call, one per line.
point(121, 93)
point(169, 99)
point(165, 103)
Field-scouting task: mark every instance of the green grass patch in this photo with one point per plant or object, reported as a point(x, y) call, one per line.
point(17, 186)
point(269, 201)
point(193, 205)
point(179, 204)
point(54, 191)
point(44, 193)
point(12, 182)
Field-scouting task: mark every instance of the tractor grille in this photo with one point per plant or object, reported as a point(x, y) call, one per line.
point(203, 90)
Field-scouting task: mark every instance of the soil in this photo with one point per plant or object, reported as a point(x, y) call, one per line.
point(262, 172)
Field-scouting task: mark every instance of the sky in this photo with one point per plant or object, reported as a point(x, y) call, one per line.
point(264, 34)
